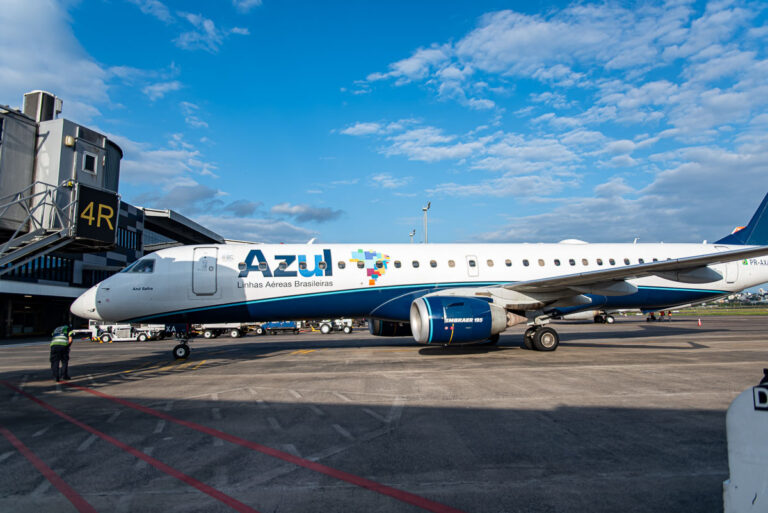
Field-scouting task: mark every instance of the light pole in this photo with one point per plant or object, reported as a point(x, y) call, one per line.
point(413, 232)
point(424, 209)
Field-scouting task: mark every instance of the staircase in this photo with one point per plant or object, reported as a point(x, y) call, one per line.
point(49, 223)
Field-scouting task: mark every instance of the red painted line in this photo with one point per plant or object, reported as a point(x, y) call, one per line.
point(362, 482)
point(213, 492)
point(75, 498)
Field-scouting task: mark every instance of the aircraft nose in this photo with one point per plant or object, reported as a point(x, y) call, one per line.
point(85, 305)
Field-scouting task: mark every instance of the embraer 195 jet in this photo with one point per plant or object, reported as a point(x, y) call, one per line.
point(447, 294)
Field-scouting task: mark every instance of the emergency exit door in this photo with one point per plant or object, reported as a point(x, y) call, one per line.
point(731, 268)
point(204, 271)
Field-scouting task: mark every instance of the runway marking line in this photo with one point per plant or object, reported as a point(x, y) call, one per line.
point(208, 490)
point(75, 498)
point(395, 493)
point(199, 364)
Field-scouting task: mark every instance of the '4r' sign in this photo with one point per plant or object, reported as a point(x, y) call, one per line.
point(96, 214)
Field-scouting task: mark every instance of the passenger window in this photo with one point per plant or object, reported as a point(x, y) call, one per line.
point(432, 263)
point(655, 259)
point(451, 263)
point(360, 264)
point(541, 262)
point(571, 261)
point(282, 266)
point(584, 261)
point(612, 261)
point(557, 261)
point(472, 263)
point(322, 265)
point(640, 261)
point(397, 264)
point(342, 264)
point(302, 265)
point(263, 266)
point(490, 263)
point(626, 261)
point(599, 261)
point(508, 262)
point(415, 263)
point(379, 264)
point(526, 263)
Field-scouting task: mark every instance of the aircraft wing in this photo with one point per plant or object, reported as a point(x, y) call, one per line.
point(611, 281)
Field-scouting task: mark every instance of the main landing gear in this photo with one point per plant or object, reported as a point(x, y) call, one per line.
point(541, 338)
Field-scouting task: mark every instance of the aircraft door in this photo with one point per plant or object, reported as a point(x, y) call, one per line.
point(473, 266)
point(731, 268)
point(204, 270)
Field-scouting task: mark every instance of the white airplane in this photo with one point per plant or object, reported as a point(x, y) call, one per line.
point(446, 294)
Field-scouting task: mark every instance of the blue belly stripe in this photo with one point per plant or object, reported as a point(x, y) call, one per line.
point(361, 302)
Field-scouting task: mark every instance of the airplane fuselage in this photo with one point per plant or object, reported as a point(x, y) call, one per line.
point(261, 282)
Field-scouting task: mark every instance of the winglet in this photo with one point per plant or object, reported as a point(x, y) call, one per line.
point(755, 233)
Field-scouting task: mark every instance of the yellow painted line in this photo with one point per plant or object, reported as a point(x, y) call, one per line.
point(304, 351)
point(199, 364)
point(184, 364)
point(146, 366)
point(169, 366)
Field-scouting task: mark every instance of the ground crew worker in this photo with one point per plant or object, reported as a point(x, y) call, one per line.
point(60, 352)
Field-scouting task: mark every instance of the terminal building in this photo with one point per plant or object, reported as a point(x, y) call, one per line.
point(63, 226)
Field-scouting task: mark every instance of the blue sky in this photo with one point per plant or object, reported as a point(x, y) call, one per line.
point(279, 121)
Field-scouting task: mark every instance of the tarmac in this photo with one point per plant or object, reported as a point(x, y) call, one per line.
point(626, 417)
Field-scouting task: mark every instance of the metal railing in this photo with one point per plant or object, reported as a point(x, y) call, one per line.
point(49, 222)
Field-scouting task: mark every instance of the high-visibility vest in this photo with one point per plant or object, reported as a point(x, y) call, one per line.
point(60, 340)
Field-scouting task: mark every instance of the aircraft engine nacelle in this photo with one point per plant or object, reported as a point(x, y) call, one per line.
point(389, 328)
point(455, 320)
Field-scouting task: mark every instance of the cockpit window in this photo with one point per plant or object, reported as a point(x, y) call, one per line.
point(141, 266)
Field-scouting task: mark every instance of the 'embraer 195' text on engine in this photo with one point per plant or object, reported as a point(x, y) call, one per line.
point(256, 262)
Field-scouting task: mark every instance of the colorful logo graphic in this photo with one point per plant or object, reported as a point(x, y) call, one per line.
point(374, 263)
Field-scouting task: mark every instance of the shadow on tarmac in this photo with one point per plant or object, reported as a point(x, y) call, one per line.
point(597, 459)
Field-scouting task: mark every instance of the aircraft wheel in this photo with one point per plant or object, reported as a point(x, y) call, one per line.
point(610, 319)
point(347, 330)
point(528, 338)
point(181, 352)
point(234, 333)
point(208, 334)
point(325, 329)
point(546, 339)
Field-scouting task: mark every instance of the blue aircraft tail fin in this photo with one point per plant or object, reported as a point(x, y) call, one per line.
point(755, 233)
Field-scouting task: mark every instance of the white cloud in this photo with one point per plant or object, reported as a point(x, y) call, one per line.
point(692, 200)
point(305, 213)
point(154, 8)
point(388, 181)
point(38, 50)
point(258, 230)
point(246, 5)
point(206, 35)
point(190, 115)
point(160, 89)
point(144, 164)
point(417, 66)
point(362, 129)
